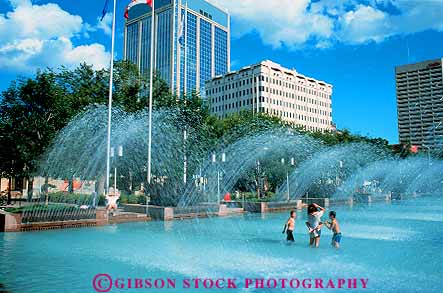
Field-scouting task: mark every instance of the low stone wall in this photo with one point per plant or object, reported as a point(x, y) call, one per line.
point(119, 218)
point(341, 201)
point(403, 196)
point(155, 212)
point(255, 207)
point(272, 206)
point(209, 209)
point(171, 213)
point(225, 209)
point(366, 198)
point(409, 196)
point(13, 222)
point(133, 208)
point(283, 206)
point(324, 202)
point(101, 217)
point(161, 213)
point(381, 198)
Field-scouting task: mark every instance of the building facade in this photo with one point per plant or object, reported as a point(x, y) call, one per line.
point(192, 42)
point(269, 88)
point(420, 103)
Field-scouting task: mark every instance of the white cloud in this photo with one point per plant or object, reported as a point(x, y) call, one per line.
point(95, 54)
point(418, 16)
point(363, 24)
point(16, 3)
point(295, 23)
point(105, 25)
point(281, 22)
point(370, 23)
point(323, 45)
point(39, 36)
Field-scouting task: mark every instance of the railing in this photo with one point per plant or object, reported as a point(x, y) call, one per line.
point(66, 214)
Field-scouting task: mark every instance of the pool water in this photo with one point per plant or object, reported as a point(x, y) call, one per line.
point(396, 246)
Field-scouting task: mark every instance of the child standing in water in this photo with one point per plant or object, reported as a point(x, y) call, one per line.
point(289, 226)
point(112, 197)
point(314, 224)
point(335, 227)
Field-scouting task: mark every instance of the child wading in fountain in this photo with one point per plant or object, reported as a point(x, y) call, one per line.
point(289, 226)
point(314, 224)
point(335, 227)
point(112, 198)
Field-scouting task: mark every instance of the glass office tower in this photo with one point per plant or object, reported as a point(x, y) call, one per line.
point(192, 40)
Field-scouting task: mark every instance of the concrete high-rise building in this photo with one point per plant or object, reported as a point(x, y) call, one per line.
point(269, 88)
point(204, 43)
point(420, 103)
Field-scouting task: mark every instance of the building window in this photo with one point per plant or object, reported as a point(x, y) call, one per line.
point(221, 51)
point(205, 51)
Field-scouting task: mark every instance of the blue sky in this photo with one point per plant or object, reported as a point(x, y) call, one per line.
point(352, 44)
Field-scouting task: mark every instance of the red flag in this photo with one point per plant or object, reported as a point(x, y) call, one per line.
point(135, 2)
point(414, 149)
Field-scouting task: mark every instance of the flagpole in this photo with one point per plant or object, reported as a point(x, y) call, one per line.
point(185, 28)
point(179, 47)
point(111, 76)
point(151, 82)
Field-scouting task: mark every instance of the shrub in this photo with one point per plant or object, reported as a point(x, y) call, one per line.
point(132, 199)
point(70, 198)
point(101, 200)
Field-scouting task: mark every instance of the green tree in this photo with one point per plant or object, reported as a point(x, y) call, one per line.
point(33, 110)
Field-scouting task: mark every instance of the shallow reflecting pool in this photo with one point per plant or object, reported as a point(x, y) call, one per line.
point(395, 246)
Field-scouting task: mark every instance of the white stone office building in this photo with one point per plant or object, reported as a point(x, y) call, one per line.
point(269, 88)
point(420, 103)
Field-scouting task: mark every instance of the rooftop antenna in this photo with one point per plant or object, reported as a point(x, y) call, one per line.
point(407, 45)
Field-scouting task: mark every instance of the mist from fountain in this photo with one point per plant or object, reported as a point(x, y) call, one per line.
point(185, 173)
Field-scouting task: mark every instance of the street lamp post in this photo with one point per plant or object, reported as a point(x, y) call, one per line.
point(292, 163)
point(200, 181)
point(338, 179)
point(9, 199)
point(185, 158)
point(429, 154)
point(214, 160)
point(258, 179)
point(114, 156)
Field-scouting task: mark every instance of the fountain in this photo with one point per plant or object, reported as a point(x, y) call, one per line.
point(193, 169)
point(191, 174)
